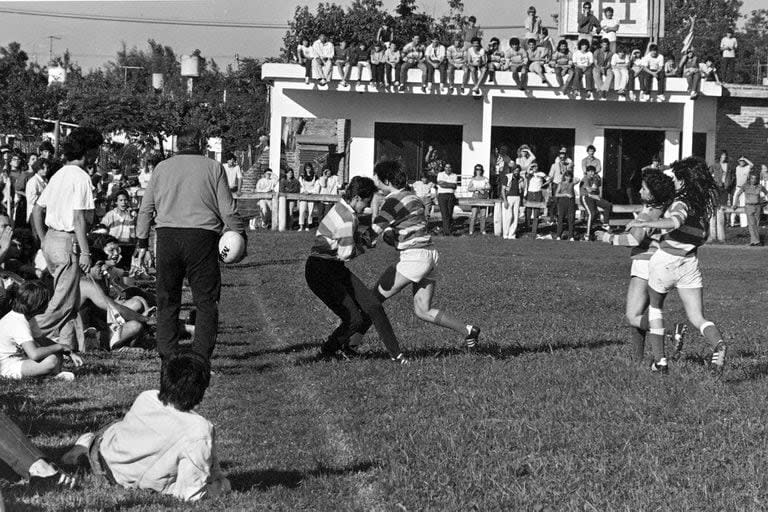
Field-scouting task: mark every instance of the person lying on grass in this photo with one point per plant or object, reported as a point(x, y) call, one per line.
point(337, 242)
point(161, 444)
point(24, 351)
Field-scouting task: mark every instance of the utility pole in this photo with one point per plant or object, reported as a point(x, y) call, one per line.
point(50, 46)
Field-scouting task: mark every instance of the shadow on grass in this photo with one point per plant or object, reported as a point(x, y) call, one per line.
point(266, 263)
point(267, 351)
point(751, 371)
point(263, 480)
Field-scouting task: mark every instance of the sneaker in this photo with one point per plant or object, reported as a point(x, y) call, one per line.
point(401, 359)
point(661, 97)
point(472, 337)
point(679, 336)
point(65, 376)
point(424, 89)
point(306, 80)
point(718, 356)
point(660, 366)
point(58, 480)
point(571, 239)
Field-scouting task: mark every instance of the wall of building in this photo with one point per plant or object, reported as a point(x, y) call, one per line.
point(742, 128)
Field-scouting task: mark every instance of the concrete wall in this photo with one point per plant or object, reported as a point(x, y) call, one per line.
point(742, 128)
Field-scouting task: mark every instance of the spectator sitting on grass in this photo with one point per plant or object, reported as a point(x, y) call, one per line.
point(24, 351)
point(161, 444)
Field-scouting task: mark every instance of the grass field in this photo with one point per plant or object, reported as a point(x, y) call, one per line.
point(550, 415)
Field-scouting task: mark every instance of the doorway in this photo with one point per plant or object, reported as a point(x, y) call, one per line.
point(410, 144)
point(626, 153)
point(544, 142)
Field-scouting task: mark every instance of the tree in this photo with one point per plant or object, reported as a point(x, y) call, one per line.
point(22, 91)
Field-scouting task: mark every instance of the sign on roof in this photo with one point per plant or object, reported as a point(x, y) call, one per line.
point(637, 18)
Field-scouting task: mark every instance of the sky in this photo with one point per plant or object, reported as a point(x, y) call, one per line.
point(94, 42)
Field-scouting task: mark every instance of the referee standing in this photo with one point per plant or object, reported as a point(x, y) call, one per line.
point(189, 198)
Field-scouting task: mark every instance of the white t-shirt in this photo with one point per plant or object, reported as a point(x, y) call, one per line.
point(35, 187)
point(329, 185)
point(653, 63)
point(612, 23)
point(447, 178)
point(15, 330)
point(583, 59)
point(422, 189)
point(68, 190)
point(234, 175)
point(144, 178)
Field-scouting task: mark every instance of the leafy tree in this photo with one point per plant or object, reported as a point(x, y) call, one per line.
point(22, 91)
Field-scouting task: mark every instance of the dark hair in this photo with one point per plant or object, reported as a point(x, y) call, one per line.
point(45, 146)
point(121, 192)
point(531, 40)
point(97, 242)
point(582, 42)
point(587, 4)
point(390, 171)
point(661, 187)
point(605, 40)
point(561, 43)
point(184, 377)
point(591, 147)
point(28, 298)
point(495, 39)
point(80, 141)
point(653, 48)
point(360, 186)
point(514, 41)
point(189, 138)
point(568, 174)
point(471, 18)
point(591, 168)
point(699, 190)
point(544, 31)
point(475, 40)
point(40, 163)
point(608, 9)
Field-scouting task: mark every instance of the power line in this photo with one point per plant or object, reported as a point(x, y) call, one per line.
point(148, 21)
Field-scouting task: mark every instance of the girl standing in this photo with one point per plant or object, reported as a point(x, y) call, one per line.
point(480, 188)
point(308, 184)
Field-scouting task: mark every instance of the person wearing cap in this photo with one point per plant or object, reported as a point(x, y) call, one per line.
point(532, 25)
point(741, 173)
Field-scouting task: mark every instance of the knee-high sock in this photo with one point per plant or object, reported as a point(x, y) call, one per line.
point(656, 339)
point(637, 339)
point(446, 320)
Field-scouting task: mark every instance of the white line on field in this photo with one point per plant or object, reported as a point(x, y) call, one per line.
point(368, 494)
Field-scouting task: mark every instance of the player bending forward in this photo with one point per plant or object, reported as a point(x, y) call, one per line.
point(676, 264)
point(402, 222)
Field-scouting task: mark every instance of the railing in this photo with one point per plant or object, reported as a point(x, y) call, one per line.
point(279, 206)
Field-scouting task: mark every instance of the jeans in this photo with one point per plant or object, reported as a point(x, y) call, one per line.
point(15, 449)
point(389, 69)
point(729, 64)
point(646, 81)
point(190, 253)
point(429, 75)
point(753, 221)
point(377, 73)
point(405, 66)
point(57, 320)
point(446, 203)
point(350, 300)
point(586, 73)
point(483, 211)
point(566, 210)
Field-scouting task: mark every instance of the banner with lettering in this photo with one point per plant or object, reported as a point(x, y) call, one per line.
point(637, 18)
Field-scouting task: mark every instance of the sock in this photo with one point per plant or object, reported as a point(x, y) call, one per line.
point(656, 339)
point(712, 334)
point(42, 469)
point(445, 320)
point(644, 325)
point(637, 341)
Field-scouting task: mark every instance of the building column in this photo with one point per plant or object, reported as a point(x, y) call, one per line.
point(275, 128)
point(671, 146)
point(688, 111)
point(362, 147)
point(481, 150)
point(711, 143)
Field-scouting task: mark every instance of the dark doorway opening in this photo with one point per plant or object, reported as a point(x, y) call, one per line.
point(409, 144)
point(699, 145)
point(544, 142)
point(626, 153)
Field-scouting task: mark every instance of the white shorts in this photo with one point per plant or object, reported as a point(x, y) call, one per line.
point(639, 269)
point(667, 272)
point(10, 368)
point(418, 264)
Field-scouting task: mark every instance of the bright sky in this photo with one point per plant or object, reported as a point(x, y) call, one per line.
point(94, 42)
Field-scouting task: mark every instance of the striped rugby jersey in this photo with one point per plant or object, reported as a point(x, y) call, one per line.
point(404, 211)
point(691, 232)
point(335, 237)
point(640, 239)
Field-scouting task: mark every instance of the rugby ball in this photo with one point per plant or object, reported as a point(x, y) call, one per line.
point(231, 247)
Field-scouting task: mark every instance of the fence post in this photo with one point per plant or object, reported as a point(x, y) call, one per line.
point(720, 216)
point(282, 212)
point(275, 212)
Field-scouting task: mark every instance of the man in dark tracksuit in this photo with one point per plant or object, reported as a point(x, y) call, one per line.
point(190, 198)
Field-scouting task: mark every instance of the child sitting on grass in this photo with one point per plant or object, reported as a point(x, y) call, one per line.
point(161, 444)
point(24, 351)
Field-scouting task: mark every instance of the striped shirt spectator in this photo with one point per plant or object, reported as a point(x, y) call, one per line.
point(691, 231)
point(335, 238)
point(404, 211)
point(413, 52)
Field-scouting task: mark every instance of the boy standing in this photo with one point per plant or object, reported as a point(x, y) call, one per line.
point(728, 47)
point(609, 26)
point(161, 444)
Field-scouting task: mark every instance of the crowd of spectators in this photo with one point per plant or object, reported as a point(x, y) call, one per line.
point(592, 64)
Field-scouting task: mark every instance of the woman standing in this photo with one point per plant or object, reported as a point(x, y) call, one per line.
point(752, 205)
point(447, 182)
point(480, 188)
point(308, 184)
point(290, 185)
point(675, 265)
